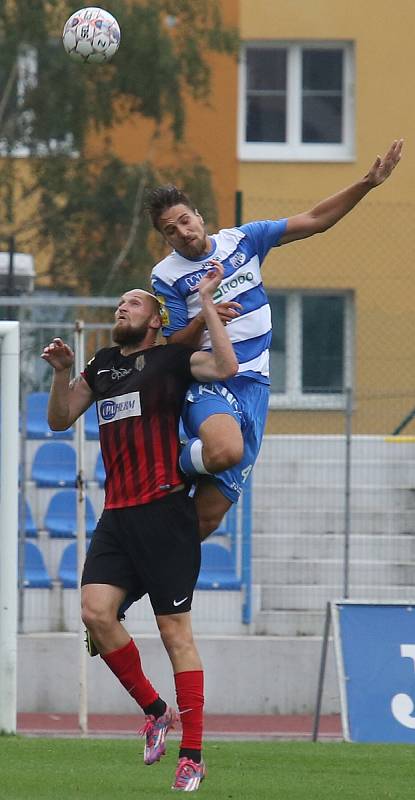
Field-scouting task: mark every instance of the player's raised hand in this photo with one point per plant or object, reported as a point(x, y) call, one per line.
point(382, 167)
point(59, 355)
point(212, 278)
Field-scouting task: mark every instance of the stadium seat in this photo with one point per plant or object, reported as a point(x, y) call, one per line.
point(30, 528)
point(60, 518)
point(35, 573)
point(99, 474)
point(67, 572)
point(217, 569)
point(91, 423)
point(54, 464)
point(36, 419)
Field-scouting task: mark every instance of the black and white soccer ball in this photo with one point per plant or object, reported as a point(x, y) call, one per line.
point(91, 34)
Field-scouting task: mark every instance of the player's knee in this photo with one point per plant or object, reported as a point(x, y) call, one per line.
point(177, 638)
point(96, 618)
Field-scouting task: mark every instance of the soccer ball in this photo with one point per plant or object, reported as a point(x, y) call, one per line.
point(91, 34)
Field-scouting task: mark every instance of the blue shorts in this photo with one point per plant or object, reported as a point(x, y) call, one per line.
point(245, 400)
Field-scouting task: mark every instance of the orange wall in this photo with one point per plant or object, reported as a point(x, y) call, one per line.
point(210, 133)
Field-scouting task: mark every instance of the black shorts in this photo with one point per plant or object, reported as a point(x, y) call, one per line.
point(150, 549)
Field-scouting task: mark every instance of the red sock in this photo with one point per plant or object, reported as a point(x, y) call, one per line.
point(190, 701)
point(125, 663)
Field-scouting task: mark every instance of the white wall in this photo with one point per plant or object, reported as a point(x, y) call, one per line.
point(244, 674)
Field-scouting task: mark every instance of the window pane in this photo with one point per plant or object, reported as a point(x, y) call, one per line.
point(266, 99)
point(322, 70)
point(266, 69)
point(266, 119)
point(8, 95)
point(322, 96)
point(278, 350)
point(322, 343)
point(322, 119)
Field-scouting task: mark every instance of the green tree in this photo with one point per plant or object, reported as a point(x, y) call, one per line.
point(89, 210)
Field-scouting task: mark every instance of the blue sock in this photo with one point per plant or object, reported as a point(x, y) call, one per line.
point(191, 461)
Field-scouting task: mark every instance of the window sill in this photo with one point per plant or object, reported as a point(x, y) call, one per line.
point(271, 153)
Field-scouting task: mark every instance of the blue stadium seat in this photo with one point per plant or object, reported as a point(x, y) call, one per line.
point(60, 518)
point(67, 572)
point(217, 569)
point(99, 474)
point(91, 423)
point(35, 573)
point(30, 528)
point(54, 464)
point(36, 419)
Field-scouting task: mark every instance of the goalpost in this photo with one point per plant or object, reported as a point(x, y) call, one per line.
point(9, 488)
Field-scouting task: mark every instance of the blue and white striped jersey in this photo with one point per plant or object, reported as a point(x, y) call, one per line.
point(241, 251)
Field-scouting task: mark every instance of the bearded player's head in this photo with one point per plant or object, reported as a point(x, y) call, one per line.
point(137, 320)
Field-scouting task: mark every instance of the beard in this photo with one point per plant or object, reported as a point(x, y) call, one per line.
point(127, 335)
point(193, 249)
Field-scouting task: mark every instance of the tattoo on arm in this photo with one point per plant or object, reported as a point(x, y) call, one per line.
point(74, 382)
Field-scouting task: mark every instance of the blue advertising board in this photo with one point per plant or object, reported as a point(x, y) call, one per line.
point(375, 652)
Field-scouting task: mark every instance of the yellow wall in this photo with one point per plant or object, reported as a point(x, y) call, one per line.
point(372, 251)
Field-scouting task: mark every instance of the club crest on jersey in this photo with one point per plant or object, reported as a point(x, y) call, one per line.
point(113, 409)
point(139, 363)
point(237, 260)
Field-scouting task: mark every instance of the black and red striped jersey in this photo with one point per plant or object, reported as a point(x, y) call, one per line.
point(139, 400)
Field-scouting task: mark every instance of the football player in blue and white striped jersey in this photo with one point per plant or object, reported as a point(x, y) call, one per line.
point(225, 421)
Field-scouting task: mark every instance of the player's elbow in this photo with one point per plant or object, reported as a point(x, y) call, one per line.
point(57, 424)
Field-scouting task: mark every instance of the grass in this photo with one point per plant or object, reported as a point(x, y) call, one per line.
point(108, 769)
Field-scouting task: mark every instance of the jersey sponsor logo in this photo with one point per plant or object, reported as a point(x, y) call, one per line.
point(113, 409)
point(237, 260)
point(192, 281)
point(234, 283)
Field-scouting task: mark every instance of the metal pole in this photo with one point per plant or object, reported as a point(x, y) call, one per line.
point(22, 508)
point(247, 552)
point(322, 672)
point(347, 491)
point(238, 208)
point(9, 467)
point(81, 531)
point(22, 482)
point(10, 277)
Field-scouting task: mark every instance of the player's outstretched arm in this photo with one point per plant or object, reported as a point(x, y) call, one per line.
point(326, 213)
point(221, 363)
point(67, 399)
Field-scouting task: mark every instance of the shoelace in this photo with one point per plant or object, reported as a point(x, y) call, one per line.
point(149, 723)
point(185, 769)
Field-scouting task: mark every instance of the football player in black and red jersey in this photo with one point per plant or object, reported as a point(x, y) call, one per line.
point(147, 539)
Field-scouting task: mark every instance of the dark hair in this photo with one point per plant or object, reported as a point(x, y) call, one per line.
point(164, 197)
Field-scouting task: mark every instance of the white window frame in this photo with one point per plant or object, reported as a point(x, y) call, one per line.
point(293, 149)
point(293, 397)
